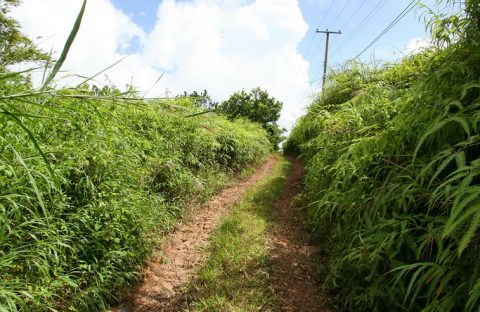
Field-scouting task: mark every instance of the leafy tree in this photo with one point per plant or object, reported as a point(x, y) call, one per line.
point(275, 134)
point(15, 47)
point(257, 106)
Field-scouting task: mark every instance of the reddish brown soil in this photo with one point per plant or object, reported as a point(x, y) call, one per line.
point(183, 251)
point(293, 258)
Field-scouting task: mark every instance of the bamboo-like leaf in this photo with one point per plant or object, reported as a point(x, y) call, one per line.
point(463, 123)
point(201, 113)
point(468, 87)
point(66, 48)
point(441, 167)
point(452, 225)
point(32, 139)
point(154, 84)
point(100, 72)
point(47, 65)
point(473, 297)
point(30, 115)
point(470, 232)
point(460, 160)
point(32, 182)
point(13, 74)
point(437, 126)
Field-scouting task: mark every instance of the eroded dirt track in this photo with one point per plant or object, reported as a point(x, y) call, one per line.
point(293, 258)
point(183, 250)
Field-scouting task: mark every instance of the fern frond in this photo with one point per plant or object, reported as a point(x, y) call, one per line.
point(471, 231)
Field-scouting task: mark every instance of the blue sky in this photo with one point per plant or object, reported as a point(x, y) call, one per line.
point(347, 16)
point(360, 21)
point(221, 45)
point(344, 15)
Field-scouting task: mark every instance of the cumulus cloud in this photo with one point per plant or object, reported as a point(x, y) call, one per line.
point(105, 31)
point(418, 44)
point(221, 46)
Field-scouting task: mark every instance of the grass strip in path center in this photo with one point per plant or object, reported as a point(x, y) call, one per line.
point(236, 276)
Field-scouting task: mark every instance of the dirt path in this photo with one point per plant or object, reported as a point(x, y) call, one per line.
point(183, 250)
point(292, 257)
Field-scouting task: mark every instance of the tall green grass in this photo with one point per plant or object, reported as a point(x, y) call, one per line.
point(393, 172)
point(91, 178)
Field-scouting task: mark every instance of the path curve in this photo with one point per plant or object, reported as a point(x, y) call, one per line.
point(183, 251)
point(293, 258)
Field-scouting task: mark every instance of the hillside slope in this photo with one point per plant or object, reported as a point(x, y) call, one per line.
point(91, 179)
point(392, 175)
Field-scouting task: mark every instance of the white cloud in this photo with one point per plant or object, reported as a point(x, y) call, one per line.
point(221, 46)
point(322, 3)
point(104, 31)
point(418, 44)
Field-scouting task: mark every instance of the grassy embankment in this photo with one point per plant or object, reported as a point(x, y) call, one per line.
point(393, 173)
point(236, 274)
point(89, 181)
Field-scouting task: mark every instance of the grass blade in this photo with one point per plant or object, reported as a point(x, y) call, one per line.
point(100, 72)
point(67, 46)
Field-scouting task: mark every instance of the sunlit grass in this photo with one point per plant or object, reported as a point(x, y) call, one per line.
point(392, 176)
point(89, 183)
point(236, 276)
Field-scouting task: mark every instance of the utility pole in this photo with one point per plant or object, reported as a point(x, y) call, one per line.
point(327, 32)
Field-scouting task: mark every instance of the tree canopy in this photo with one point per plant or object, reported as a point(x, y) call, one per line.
point(257, 106)
point(15, 47)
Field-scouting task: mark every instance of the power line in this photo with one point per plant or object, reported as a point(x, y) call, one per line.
point(328, 10)
point(299, 69)
point(341, 11)
point(357, 29)
point(353, 14)
point(317, 68)
point(298, 92)
point(390, 26)
point(327, 33)
point(363, 23)
point(292, 87)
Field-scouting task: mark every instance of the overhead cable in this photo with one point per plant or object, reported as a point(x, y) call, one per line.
point(390, 26)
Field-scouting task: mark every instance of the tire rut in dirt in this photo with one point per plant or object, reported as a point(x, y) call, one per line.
point(293, 258)
point(183, 251)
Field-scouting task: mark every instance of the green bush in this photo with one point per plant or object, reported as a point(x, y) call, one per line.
point(88, 184)
point(392, 176)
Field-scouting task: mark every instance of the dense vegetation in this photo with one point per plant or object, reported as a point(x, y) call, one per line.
point(392, 180)
point(14, 46)
point(78, 227)
point(257, 106)
point(91, 178)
